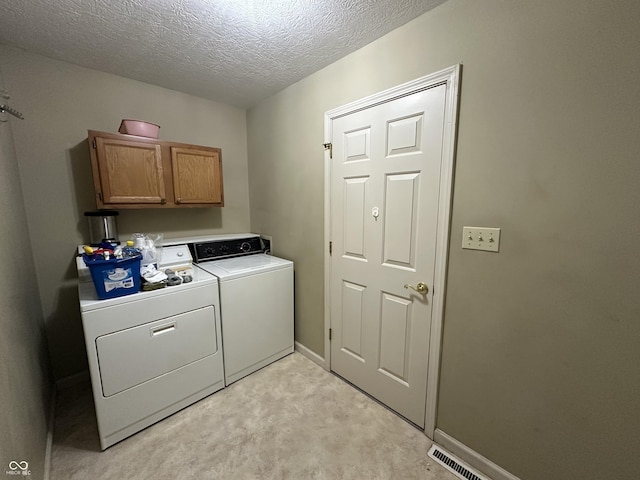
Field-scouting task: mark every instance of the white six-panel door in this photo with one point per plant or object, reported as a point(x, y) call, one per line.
point(384, 204)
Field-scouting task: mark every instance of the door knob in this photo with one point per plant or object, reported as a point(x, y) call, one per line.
point(421, 287)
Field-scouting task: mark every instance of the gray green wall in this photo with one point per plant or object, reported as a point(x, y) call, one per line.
point(540, 350)
point(60, 103)
point(25, 384)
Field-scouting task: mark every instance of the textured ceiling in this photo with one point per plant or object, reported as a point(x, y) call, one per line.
point(232, 51)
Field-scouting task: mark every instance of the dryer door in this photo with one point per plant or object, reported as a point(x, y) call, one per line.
point(130, 357)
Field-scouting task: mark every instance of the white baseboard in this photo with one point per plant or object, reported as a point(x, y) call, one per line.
point(310, 354)
point(473, 458)
point(73, 380)
point(49, 448)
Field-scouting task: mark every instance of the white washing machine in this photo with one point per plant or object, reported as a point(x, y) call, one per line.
point(256, 301)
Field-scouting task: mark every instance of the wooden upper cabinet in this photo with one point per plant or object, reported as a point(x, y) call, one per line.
point(130, 172)
point(139, 172)
point(196, 175)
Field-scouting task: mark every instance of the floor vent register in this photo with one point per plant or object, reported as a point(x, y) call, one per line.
point(454, 465)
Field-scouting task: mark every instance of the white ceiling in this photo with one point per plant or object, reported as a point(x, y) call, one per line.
point(232, 51)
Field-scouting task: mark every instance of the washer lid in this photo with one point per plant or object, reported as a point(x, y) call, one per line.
point(230, 268)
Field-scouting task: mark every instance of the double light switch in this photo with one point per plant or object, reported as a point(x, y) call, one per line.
point(481, 238)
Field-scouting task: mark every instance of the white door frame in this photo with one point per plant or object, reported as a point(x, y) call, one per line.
point(451, 77)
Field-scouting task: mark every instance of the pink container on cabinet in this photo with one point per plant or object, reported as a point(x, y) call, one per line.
point(140, 128)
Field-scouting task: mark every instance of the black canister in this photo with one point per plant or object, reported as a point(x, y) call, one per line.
point(102, 226)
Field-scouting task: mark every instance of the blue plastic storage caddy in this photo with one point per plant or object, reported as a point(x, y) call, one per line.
point(114, 277)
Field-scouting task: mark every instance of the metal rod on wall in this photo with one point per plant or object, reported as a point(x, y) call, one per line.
point(6, 108)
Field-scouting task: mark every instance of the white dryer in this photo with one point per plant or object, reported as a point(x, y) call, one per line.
point(151, 353)
point(256, 302)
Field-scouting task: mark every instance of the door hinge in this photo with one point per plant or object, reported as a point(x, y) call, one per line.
point(330, 248)
point(329, 146)
point(95, 145)
point(100, 195)
point(330, 334)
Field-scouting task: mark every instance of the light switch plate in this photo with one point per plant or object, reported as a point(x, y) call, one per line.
point(481, 238)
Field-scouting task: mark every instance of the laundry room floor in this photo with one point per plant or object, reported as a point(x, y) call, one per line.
point(290, 420)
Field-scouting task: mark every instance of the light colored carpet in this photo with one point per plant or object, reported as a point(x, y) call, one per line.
point(290, 420)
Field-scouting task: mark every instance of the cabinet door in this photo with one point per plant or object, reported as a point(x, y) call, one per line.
point(130, 171)
point(197, 175)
